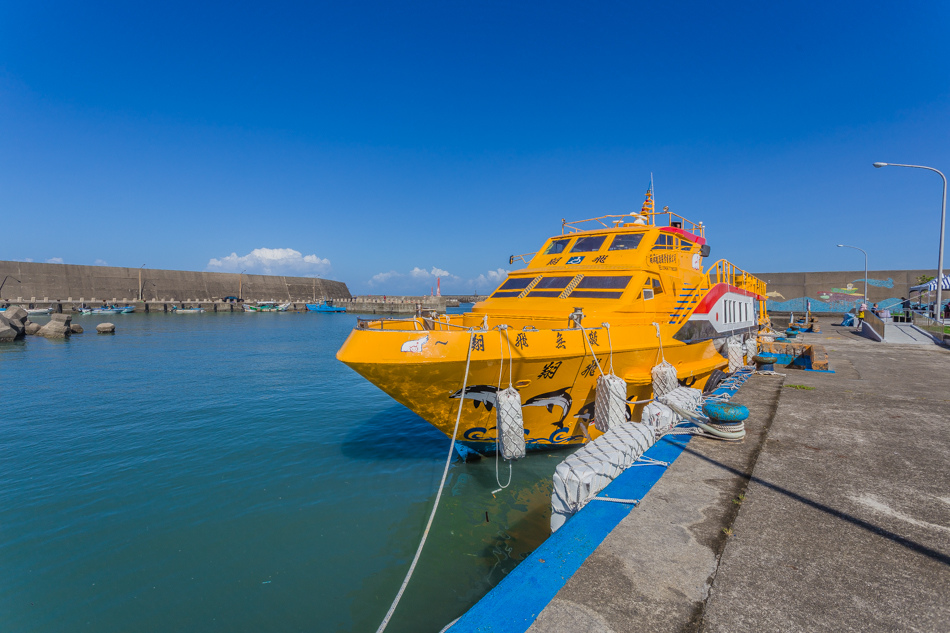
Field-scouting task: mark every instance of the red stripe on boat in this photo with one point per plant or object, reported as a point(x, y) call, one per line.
point(683, 233)
point(716, 292)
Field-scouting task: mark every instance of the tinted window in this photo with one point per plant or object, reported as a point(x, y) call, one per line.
point(588, 244)
point(553, 282)
point(604, 282)
point(514, 283)
point(626, 242)
point(557, 246)
point(596, 294)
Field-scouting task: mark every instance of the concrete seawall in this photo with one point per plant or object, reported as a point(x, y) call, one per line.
point(837, 291)
point(30, 282)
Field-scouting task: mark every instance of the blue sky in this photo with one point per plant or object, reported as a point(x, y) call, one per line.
point(384, 144)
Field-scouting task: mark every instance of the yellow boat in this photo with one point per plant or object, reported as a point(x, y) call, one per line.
point(620, 292)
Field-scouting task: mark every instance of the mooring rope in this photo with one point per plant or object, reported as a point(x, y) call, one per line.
point(438, 496)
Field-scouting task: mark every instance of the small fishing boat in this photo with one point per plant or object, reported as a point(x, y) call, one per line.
point(326, 305)
point(267, 306)
point(178, 310)
point(106, 310)
point(39, 311)
point(127, 310)
point(613, 296)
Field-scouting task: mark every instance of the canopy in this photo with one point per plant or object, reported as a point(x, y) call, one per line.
point(932, 284)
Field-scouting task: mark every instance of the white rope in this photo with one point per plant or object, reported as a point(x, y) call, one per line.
point(643, 460)
point(438, 496)
point(586, 345)
point(634, 502)
point(659, 351)
point(610, 346)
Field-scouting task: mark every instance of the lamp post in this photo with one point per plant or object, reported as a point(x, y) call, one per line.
point(865, 268)
point(943, 221)
point(241, 285)
point(5, 281)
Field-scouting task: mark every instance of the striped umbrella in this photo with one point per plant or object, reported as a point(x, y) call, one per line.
point(932, 285)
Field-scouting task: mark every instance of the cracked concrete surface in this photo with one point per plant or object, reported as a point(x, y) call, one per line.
point(843, 525)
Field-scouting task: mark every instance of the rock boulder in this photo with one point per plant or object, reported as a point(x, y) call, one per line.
point(105, 328)
point(54, 329)
point(58, 326)
point(32, 328)
point(75, 328)
point(11, 324)
point(7, 333)
point(17, 316)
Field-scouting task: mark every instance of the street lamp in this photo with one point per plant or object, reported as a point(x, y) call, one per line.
point(5, 281)
point(943, 222)
point(865, 268)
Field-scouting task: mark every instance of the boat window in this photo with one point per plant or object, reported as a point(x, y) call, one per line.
point(516, 282)
point(657, 287)
point(501, 294)
point(686, 245)
point(550, 287)
point(589, 244)
point(665, 242)
point(626, 242)
point(596, 294)
point(604, 282)
point(557, 246)
point(553, 282)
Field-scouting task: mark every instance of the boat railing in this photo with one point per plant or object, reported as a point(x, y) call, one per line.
point(383, 324)
point(653, 218)
point(526, 258)
point(419, 324)
point(725, 272)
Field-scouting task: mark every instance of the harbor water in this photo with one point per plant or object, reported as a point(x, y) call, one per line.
point(224, 472)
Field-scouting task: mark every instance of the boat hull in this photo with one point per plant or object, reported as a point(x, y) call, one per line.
point(554, 371)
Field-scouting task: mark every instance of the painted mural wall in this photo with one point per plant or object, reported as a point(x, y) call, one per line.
point(838, 291)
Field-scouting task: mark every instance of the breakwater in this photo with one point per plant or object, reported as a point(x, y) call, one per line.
point(32, 283)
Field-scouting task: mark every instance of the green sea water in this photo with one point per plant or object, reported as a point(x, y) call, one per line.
point(224, 472)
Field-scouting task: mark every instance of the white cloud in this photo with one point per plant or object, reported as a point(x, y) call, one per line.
point(490, 280)
point(272, 261)
point(101, 262)
point(381, 278)
point(55, 260)
point(422, 273)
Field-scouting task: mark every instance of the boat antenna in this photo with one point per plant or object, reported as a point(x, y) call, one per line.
point(653, 190)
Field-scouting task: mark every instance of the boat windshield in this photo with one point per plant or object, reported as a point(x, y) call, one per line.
point(589, 244)
point(557, 246)
point(626, 242)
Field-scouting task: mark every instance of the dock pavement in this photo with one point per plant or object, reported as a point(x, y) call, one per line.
point(833, 514)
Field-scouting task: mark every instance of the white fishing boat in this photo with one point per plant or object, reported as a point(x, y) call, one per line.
point(267, 306)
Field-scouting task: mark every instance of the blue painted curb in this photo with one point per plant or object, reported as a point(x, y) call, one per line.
point(514, 604)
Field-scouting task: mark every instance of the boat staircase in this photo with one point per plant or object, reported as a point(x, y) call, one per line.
point(686, 301)
point(720, 272)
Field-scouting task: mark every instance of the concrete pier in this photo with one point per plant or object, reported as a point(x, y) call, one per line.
point(833, 514)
